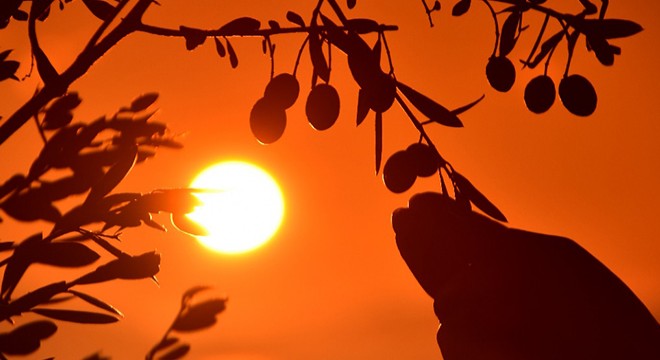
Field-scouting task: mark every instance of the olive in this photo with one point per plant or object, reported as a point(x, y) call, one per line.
point(399, 172)
point(283, 90)
point(501, 73)
point(540, 94)
point(322, 107)
point(424, 159)
point(578, 95)
point(267, 121)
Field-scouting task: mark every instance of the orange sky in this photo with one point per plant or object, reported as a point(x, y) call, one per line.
point(331, 284)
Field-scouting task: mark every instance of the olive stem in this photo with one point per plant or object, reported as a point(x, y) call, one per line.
point(497, 26)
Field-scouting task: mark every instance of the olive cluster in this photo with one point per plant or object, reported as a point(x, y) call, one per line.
point(268, 115)
point(404, 166)
point(576, 92)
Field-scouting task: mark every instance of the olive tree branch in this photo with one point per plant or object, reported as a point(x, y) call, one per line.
point(161, 31)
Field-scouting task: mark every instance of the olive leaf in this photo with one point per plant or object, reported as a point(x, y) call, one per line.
point(59, 113)
point(8, 70)
point(81, 317)
point(126, 267)
point(96, 302)
point(509, 34)
point(68, 254)
point(143, 101)
point(609, 28)
point(379, 139)
point(194, 37)
point(26, 338)
point(233, 59)
point(115, 174)
point(362, 26)
point(242, 25)
point(476, 197)
point(295, 18)
point(274, 24)
point(100, 9)
point(318, 59)
point(199, 316)
point(434, 111)
point(548, 46)
point(461, 7)
point(362, 107)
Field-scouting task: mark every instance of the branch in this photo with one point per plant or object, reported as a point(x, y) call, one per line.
point(46, 70)
point(77, 69)
point(161, 31)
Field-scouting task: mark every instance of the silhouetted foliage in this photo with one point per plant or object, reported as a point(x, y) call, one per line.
point(494, 285)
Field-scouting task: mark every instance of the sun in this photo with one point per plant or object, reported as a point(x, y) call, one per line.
point(243, 212)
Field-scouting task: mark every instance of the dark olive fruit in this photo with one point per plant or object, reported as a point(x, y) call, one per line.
point(380, 93)
point(267, 121)
point(423, 157)
point(283, 90)
point(540, 94)
point(578, 95)
point(501, 73)
point(322, 107)
point(399, 173)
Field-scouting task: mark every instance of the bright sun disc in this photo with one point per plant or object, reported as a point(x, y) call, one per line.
point(243, 211)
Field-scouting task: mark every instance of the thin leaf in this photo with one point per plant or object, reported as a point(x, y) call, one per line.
point(379, 139)
point(467, 107)
point(143, 101)
point(176, 353)
point(190, 293)
point(509, 31)
point(274, 24)
point(199, 316)
point(589, 7)
point(127, 267)
point(295, 18)
point(187, 225)
point(362, 26)
point(100, 9)
point(65, 254)
point(476, 197)
point(26, 339)
point(240, 26)
point(318, 59)
point(81, 317)
point(194, 37)
point(219, 48)
point(611, 28)
point(362, 107)
point(434, 111)
point(18, 263)
point(461, 7)
point(97, 302)
point(4, 54)
point(115, 174)
point(43, 295)
point(233, 59)
point(546, 48)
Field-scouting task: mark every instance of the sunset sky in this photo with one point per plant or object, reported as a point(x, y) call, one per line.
point(331, 284)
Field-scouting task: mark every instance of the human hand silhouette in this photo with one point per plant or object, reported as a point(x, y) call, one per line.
point(503, 293)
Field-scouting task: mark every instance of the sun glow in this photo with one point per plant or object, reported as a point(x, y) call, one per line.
point(243, 212)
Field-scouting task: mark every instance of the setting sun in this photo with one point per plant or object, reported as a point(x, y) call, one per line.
point(243, 212)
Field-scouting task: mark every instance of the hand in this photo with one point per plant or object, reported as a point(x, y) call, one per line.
point(503, 293)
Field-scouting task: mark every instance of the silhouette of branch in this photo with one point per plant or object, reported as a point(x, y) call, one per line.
point(58, 86)
point(106, 23)
point(161, 31)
